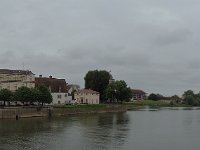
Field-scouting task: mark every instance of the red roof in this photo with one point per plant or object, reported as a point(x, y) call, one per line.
point(138, 91)
point(57, 85)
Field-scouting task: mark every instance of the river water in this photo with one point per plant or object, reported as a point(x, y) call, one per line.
point(140, 129)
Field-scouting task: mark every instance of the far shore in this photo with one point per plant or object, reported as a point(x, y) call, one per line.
point(152, 103)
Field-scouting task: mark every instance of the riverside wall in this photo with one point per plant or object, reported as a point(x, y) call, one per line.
point(23, 112)
point(29, 112)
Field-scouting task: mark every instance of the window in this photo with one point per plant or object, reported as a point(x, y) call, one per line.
point(66, 95)
point(59, 89)
point(59, 96)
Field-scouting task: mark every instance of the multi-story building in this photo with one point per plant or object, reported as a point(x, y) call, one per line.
point(57, 87)
point(13, 79)
point(87, 96)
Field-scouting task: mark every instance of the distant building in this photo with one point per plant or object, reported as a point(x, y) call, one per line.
point(87, 96)
point(57, 87)
point(13, 79)
point(138, 94)
point(72, 87)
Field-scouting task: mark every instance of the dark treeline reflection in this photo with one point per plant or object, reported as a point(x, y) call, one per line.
point(30, 126)
point(105, 131)
point(96, 131)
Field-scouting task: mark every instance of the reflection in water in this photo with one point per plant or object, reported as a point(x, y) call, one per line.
point(22, 134)
point(106, 131)
point(75, 132)
point(166, 128)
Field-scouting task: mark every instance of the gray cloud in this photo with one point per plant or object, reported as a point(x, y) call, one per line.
point(152, 45)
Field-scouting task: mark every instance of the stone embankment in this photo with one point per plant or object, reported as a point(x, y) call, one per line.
point(23, 112)
point(29, 112)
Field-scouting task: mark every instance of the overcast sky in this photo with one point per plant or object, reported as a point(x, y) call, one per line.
point(151, 44)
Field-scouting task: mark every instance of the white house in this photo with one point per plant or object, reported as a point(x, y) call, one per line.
point(87, 96)
point(61, 98)
point(57, 87)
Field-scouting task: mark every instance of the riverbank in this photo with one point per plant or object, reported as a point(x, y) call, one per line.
point(53, 111)
point(87, 109)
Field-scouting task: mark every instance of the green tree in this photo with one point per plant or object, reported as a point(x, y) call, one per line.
point(24, 94)
point(176, 98)
point(190, 98)
point(153, 97)
point(6, 96)
point(118, 91)
point(156, 97)
point(36, 95)
point(98, 81)
point(44, 95)
point(188, 93)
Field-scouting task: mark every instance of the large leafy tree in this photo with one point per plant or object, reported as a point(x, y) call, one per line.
point(44, 95)
point(118, 91)
point(98, 80)
point(36, 95)
point(188, 93)
point(6, 96)
point(176, 98)
point(156, 97)
point(24, 94)
point(190, 98)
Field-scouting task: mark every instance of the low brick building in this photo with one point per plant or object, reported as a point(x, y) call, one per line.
point(138, 94)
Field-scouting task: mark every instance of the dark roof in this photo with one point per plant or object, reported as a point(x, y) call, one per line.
point(138, 91)
point(72, 86)
point(88, 91)
point(57, 85)
point(17, 72)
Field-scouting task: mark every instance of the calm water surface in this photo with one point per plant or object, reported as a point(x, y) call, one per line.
point(142, 129)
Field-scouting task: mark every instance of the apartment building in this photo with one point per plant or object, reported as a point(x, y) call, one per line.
point(13, 79)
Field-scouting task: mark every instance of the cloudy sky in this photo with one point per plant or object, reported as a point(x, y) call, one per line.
point(151, 44)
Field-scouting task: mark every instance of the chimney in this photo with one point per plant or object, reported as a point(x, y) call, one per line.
point(50, 76)
point(40, 76)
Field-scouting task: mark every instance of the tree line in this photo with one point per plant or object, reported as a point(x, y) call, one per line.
point(38, 95)
point(110, 90)
point(188, 98)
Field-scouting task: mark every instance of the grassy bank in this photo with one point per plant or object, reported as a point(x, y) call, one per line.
point(152, 103)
